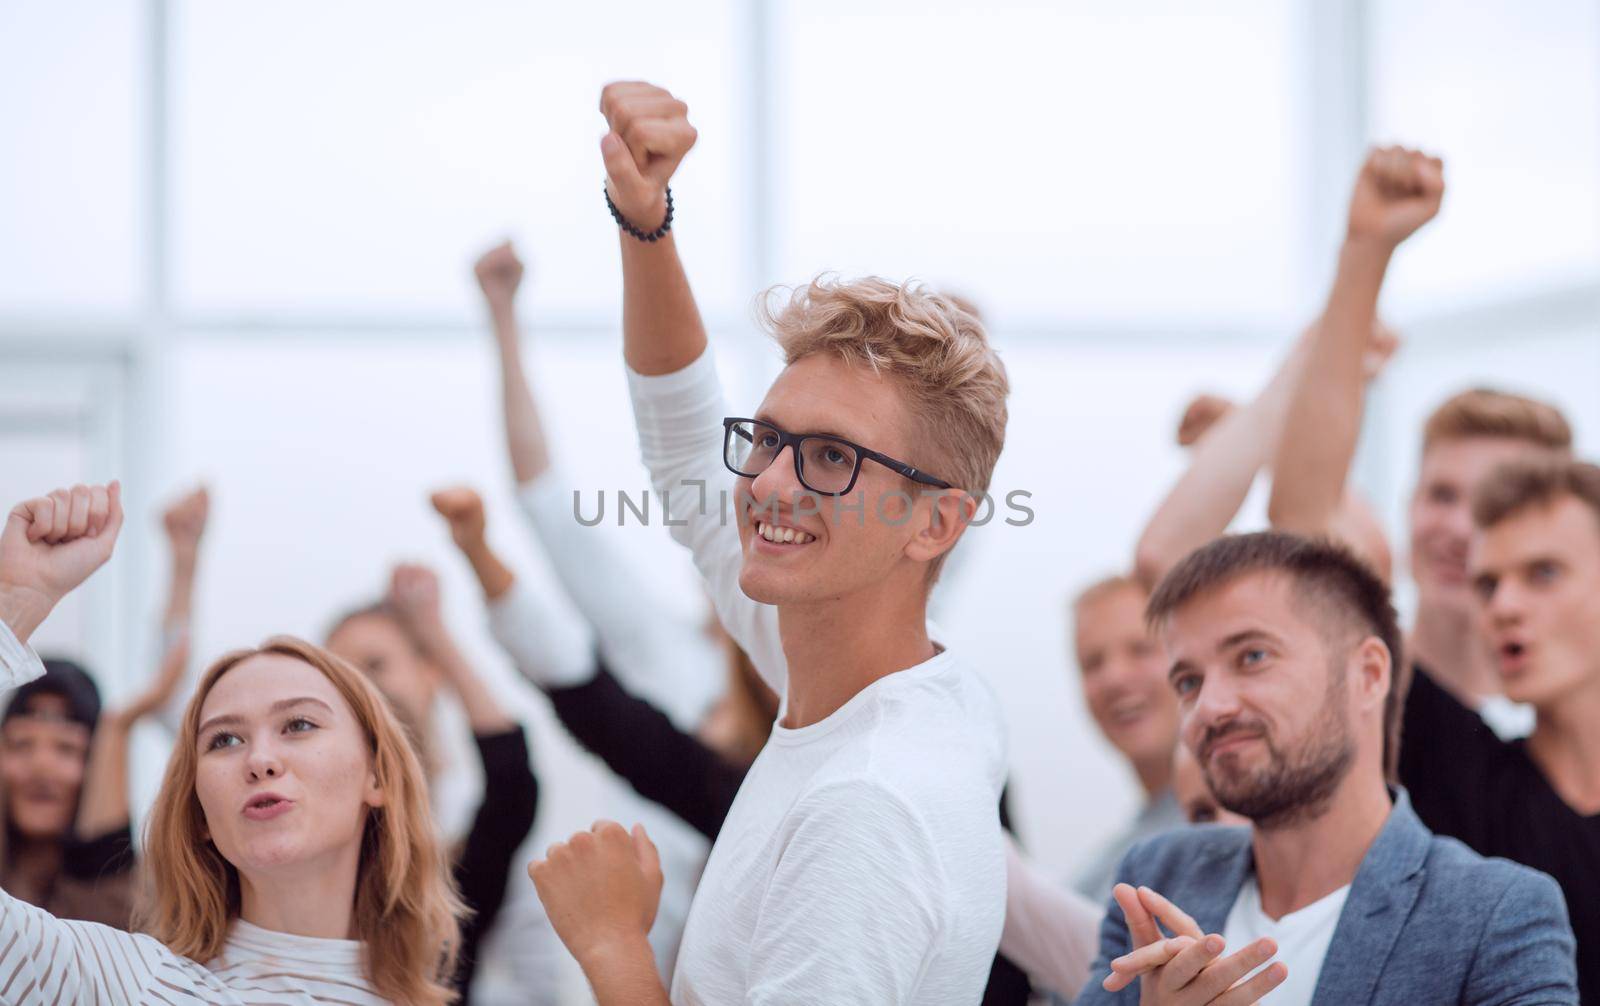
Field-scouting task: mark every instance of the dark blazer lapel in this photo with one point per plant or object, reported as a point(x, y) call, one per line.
point(1380, 902)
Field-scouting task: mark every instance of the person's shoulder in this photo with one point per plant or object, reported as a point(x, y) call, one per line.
point(1188, 843)
point(1480, 883)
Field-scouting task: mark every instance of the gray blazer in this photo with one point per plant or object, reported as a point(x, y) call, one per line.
point(1426, 921)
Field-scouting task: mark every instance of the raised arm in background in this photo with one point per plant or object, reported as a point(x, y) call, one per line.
point(649, 645)
point(1230, 447)
point(639, 742)
point(414, 591)
point(499, 273)
point(1396, 192)
point(103, 806)
point(185, 523)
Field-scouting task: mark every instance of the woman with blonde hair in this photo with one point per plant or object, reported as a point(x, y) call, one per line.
point(291, 854)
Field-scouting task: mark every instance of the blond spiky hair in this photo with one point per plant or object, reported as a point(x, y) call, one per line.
point(956, 385)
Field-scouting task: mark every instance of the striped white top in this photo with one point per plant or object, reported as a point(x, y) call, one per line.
point(45, 961)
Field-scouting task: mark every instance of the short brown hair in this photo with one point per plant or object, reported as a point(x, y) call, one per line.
point(1484, 412)
point(1106, 586)
point(1517, 485)
point(1323, 572)
point(939, 352)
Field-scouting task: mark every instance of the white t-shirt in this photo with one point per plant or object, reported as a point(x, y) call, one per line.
point(1302, 936)
point(862, 860)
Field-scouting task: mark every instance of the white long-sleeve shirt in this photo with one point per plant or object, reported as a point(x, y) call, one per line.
point(45, 961)
point(862, 859)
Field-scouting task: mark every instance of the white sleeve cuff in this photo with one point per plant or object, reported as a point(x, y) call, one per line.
point(18, 663)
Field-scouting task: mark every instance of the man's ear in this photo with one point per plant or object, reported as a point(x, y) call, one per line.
point(941, 516)
point(1375, 667)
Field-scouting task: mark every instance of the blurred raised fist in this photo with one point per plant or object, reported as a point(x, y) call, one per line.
point(414, 593)
point(462, 509)
point(185, 520)
point(649, 135)
point(1200, 416)
point(51, 544)
point(1397, 191)
point(499, 273)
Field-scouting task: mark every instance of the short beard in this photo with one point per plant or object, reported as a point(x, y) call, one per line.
point(1299, 786)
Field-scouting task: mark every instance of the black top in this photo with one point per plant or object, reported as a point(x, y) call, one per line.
point(1467, 783)
point(676, 770)
point(102, 856)
point(503, 820)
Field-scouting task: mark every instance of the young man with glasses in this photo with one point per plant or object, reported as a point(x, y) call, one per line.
point(862, 859)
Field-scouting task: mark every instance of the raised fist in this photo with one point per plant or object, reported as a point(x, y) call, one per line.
point(1202, 414)
point(51, 544)
point(600, 887)
point(1397, 191)
point(499, 273)
point(462, 509)
point(649, 135)
point(185, 520)
point(414, 593)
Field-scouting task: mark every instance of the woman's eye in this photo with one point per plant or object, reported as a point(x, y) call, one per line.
point(222, 739)
point(299, 725)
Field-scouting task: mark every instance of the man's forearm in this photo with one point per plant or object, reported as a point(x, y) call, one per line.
point(494, 576)
point(1223, 466)
point(1324, 418)
point(625, 975)
point(661, 326)
point(484, 714)
point(525, 439)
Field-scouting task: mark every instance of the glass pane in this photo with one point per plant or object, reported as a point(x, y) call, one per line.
point(1053, 161)
point(1509, 95)
point(354, 158)
point(69, 156)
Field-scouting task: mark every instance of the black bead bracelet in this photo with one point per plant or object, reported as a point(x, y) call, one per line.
point(655, 235)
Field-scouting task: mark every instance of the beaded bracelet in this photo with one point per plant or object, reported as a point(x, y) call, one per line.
point(655, 235)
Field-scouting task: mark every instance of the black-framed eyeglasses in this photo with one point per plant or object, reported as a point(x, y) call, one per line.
point(825, 465)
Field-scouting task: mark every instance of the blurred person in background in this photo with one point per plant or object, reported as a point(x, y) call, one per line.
point(402, 644)
point(1124, 678)
point(1534, 567)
